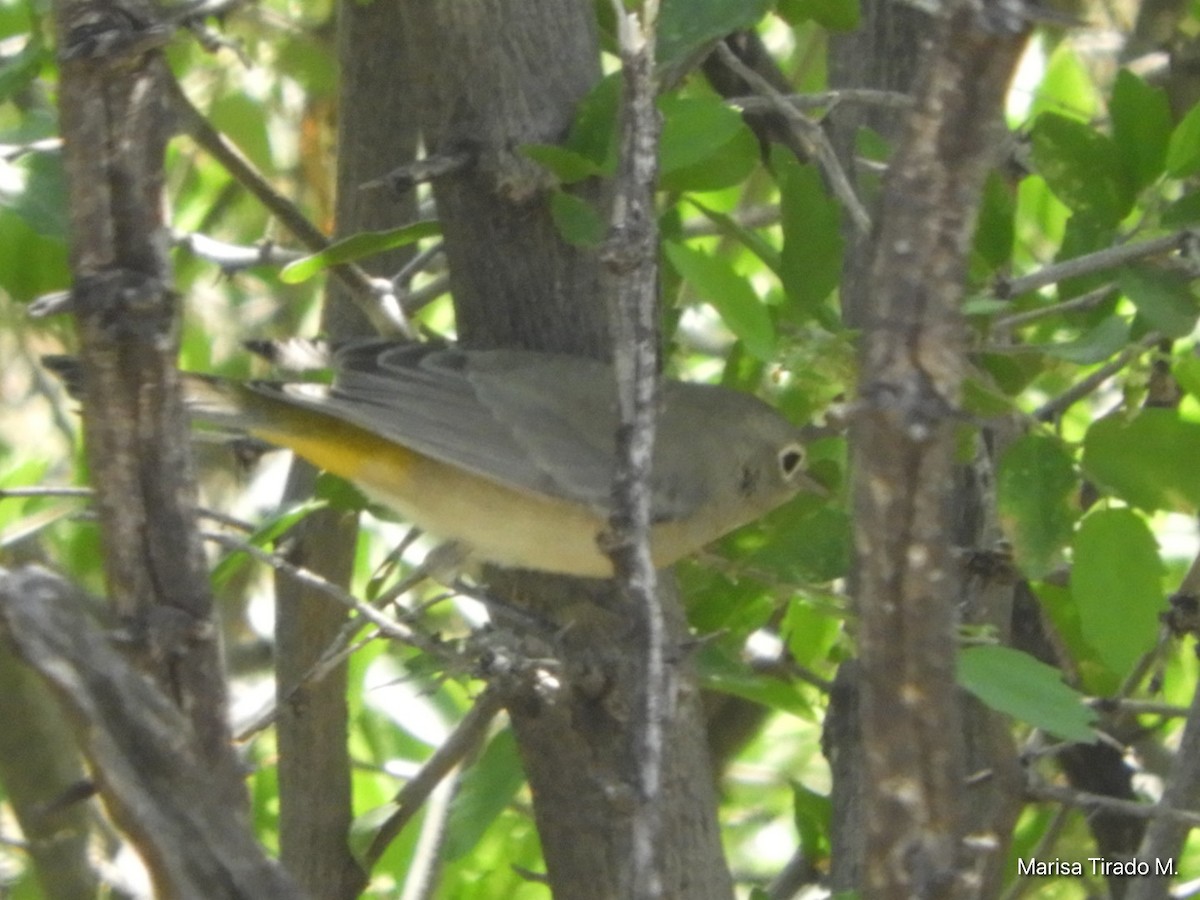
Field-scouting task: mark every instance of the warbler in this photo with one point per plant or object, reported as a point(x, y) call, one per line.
point(510, 453)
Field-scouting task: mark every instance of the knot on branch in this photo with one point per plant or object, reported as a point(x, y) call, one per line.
point(124, 302)
point(110, 32)
point(913, 406)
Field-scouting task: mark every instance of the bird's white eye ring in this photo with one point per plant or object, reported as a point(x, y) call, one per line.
point(791, 458)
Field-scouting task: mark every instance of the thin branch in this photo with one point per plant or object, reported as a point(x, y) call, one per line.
point(1089, 264)
point(234, 257)
point(463, 743)
point(1052, 409)
point(809, 133)
point(373, 295)
point(1075, 304)
point(826, 99)
point(1133, 808)
point(631, 255)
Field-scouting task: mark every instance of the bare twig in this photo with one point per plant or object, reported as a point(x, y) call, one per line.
point(1100, 261)
point(462, 744)
point(1163, 812)
point(631, 254)
point(826, 99)
point(234, 257)
point(1075, 304)
point(1054, 408)
point(373, 295)
point(810, 134)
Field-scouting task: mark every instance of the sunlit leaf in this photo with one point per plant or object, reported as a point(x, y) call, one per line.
point(730, 294)
point(1116, 581)
point(1163, 298)
point(487, 788)
point(1082, 166)
point(356, 247)
point(1018, 685)
point(1141, 117)
point(1183, 154)
point(1149, 460)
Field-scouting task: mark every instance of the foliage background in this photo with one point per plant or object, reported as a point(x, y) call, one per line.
point(1098, 370)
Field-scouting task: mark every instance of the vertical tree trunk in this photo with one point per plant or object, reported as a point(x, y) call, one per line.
point(374, 137)
point(115, 126)
point(900, 737)
point(495, 74)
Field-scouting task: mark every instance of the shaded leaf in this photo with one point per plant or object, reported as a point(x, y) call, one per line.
point(812, 236)
point(487, 788)
point(577, 220)
point(686, 27)
point(1035, 483)
point(1081, 166)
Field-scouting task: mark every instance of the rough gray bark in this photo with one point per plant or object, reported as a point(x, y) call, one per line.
point(913, 362)
point(115, 125)
point(376, 133)
point(908, 584)
point(42, 773)
point(494, 74)
point(145, 759)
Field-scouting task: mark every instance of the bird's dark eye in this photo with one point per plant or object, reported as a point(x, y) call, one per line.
point(791, 458)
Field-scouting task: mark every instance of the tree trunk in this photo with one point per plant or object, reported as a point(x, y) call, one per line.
point(314, 757)
point(495, 74)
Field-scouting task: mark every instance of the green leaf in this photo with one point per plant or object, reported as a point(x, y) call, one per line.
point(1183, 212)
point(687, 27)
point(994, 233)
point(1183, 153)
point(693, 128)
point(355, 247)
point(21, 68)
point(812, 237)
point(263, 536)
point(728, 165)
point(1097, 345)
point(812, 814)
point(1148, 461)
point(810, 632)
point(748, 238)
point(41, 201)
point(365, 828)
point(1163, 298)
point(568, 166)
point(1186, 371)
point(487, 789)
point(1141, 118)
point(577, 220)
point(836, 15)
point(720, 670)
point(714, 279)
point(1016, 684)
point(1116, 582)
point(1035, 484)
point(1081, 166)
